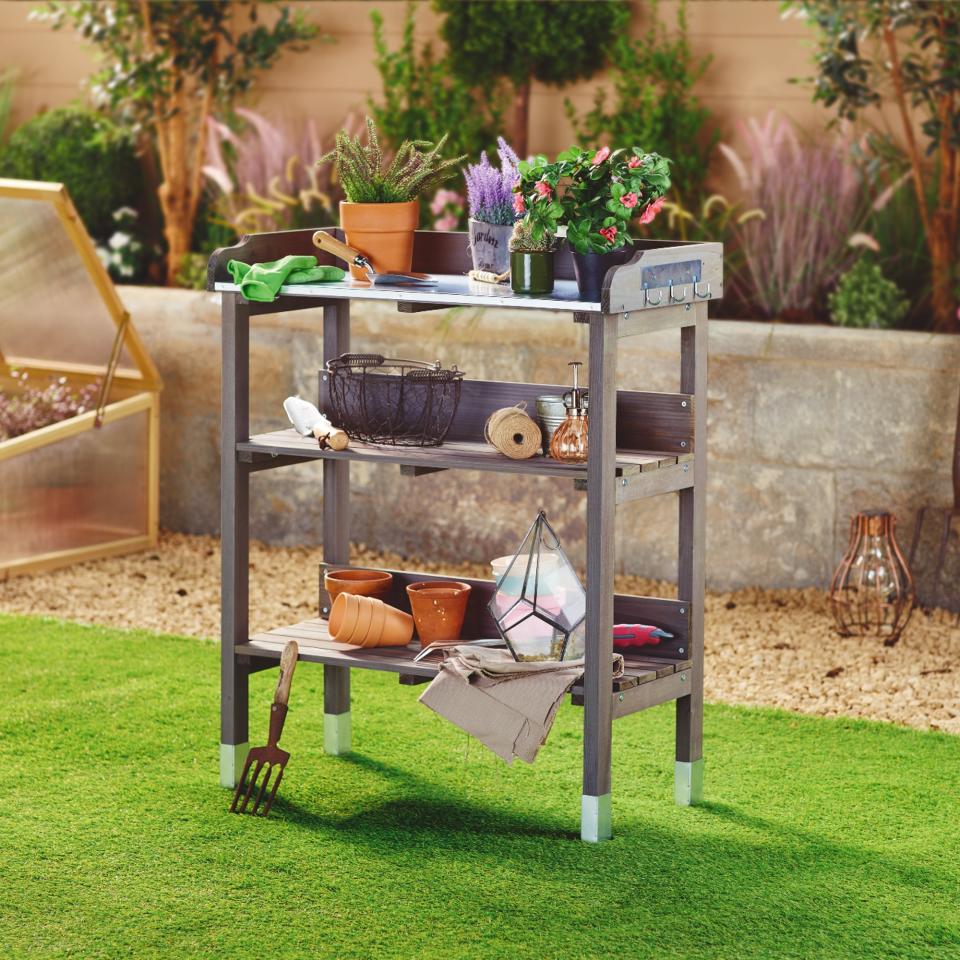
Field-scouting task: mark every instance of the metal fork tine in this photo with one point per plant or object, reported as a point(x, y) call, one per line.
point(263, 786)
point(240, 785)
point(273, 792)
point(251, 785)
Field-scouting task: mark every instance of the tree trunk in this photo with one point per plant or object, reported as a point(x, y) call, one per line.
point(177, 229)
point(521, 118)
point(942, 244)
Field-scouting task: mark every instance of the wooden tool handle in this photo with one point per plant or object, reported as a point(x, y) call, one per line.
point(329, 243)
point(334, 437)
point(288, 660)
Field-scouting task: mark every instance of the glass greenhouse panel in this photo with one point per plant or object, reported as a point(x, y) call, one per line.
point(78, 492)
point(51, 309)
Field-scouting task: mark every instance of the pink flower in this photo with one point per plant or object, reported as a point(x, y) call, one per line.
point(518, 205)
point(609, 234)
point(635, 162)
point(629, 200)
point(600, 156)
point(449, 222)
point(652, 210)
point(543, 188)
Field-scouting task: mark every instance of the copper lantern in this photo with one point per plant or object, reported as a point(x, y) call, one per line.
point(872, 590)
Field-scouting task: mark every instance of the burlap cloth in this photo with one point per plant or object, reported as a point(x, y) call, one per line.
point(506, 705)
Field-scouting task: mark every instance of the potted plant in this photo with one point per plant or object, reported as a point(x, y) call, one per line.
point(381, 211)
point(490, 196)
point(534, 237)
point(603, 191)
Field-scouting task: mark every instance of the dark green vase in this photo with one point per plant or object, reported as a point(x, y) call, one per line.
point(531, 272)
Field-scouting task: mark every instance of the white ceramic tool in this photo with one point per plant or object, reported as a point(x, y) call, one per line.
point(308, 421)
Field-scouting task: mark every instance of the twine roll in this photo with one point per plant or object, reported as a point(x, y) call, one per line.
point(513, 433)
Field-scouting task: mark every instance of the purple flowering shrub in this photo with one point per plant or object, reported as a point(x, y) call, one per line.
point(31, 408)
point(489, 190)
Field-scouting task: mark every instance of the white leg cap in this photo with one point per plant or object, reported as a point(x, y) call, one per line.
point(337, 733)
point(232, 758)
point(596, 818)
point(688, 782)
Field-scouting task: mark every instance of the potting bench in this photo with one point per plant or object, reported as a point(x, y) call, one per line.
point(641, 445)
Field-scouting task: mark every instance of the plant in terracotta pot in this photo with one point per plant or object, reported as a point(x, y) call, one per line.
point(490, 195)
point(534, 237)
point(381, 210)
point(603, 191)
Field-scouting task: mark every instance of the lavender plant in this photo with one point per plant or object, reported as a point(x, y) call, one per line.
point(28, 408)
point(489, 190)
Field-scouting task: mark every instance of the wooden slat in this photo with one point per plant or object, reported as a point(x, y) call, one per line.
point(673, 616)
point(452, 455)
point(661, 422)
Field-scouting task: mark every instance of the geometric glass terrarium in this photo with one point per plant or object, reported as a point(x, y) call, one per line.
point(539, 604)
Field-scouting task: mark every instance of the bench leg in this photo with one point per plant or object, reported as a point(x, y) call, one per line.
point(595, 810)
point(337, 732)
point(688, 773)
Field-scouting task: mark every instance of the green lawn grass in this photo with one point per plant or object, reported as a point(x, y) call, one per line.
point(821, 838)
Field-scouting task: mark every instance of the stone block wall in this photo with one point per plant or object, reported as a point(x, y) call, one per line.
point(806, 425)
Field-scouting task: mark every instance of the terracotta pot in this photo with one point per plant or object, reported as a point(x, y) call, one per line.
point(343, 615)
point(383, 232)
point(369, 622)
point(439, 607)
point(531, 272)
point(363, 583)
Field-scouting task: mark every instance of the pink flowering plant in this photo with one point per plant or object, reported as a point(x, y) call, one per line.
point(604, 190)
point(535, 200)
point(30, 407)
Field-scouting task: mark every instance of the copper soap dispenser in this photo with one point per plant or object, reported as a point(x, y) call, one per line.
point(569, 441)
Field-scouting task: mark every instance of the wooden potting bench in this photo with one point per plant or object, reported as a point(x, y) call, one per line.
point(641, 445)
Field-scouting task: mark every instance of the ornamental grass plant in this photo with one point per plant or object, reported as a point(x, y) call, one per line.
point(367, 176)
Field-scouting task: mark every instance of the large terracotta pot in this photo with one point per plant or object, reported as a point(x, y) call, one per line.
point(383, 232)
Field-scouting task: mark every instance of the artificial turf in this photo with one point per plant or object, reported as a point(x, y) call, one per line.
point(821, 838)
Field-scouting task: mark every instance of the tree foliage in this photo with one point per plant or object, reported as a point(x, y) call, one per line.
point(166, 65)
point(424, 98)
point(553, 41)
point(653, 104)
point(871, 50)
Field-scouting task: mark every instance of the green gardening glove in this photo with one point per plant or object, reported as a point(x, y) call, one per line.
point(262, 281)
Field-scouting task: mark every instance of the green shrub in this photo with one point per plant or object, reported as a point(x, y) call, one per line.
point(89, 153)
point(866, 298)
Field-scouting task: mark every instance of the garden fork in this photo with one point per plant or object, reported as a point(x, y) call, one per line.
point(270, 760)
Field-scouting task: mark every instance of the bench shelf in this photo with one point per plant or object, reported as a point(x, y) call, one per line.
point(641, 444)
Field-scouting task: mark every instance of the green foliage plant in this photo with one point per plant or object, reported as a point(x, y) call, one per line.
point(166, 66)
point(424, 98)
point(85, 150)
point(7, 81)
point(866, 298)
point(653, 103)
point(552, 41)
point(870, 52)
point(595, 194)
point(605, 190)
point(367, 177)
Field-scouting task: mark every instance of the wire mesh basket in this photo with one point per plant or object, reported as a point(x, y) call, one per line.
point(403, 402)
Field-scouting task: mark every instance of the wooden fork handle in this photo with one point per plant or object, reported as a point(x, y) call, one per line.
point(330, 244)
point(288, 661)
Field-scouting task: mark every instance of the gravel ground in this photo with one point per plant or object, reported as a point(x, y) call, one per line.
point(763, 647)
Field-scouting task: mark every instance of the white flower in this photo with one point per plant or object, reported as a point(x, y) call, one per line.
point(119, 240)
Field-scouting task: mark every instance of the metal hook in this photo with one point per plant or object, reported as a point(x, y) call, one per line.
point(697, 293)
point(679, 299)
point(650, 302)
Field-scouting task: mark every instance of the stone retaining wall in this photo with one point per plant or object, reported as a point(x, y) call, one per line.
point(806, 425)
